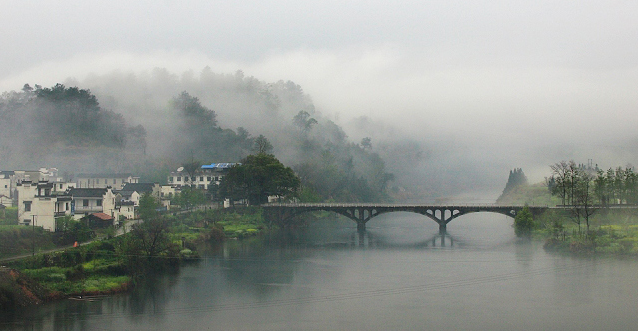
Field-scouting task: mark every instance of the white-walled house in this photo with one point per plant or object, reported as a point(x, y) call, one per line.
point(39, 205)
point(6, 188)
point(93, 200)
point(116, 180)
point(208, 174)
point(126, 209)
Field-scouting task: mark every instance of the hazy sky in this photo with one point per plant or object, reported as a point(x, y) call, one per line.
point(527, 83)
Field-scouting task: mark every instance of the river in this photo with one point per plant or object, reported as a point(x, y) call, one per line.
point(398, 275)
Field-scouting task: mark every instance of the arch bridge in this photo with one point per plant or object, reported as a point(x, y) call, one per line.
point(361, 213)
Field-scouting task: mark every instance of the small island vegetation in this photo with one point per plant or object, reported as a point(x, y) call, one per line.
point(597, 214)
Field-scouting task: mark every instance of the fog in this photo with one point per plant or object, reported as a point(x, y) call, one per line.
point(472, 90)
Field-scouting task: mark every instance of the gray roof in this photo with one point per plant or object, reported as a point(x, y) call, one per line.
point(87, 192)
point(139, 187)
point(116, 175)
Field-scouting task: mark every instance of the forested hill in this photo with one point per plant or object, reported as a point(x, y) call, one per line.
point(151, 123)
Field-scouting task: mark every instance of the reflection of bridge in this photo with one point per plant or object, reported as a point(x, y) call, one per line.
point(363, 212)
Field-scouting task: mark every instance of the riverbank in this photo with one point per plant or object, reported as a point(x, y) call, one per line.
point(114, 265)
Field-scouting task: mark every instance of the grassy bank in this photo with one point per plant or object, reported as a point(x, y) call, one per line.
point(111, 266)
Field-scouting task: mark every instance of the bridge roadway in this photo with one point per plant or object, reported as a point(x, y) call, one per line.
point(361, 213)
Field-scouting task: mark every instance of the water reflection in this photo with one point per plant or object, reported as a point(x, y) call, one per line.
point(395, 275)
point(368, 239)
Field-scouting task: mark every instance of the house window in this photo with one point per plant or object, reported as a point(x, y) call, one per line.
point(201, 186)
point(85, 202)
point(170, 179)
point(209, 178)
point(97, 181)
point(193, 178)
point(99, 203)
point(179, 179)
point(201, 179)
point(27, 206)
point(66, 206)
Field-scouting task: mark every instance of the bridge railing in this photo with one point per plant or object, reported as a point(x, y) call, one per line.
point(394, 205)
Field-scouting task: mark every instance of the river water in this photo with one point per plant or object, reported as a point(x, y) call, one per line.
point(398, 275)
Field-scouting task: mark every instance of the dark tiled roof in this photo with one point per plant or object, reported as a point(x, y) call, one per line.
point(102, 216)
point(87, 192)
point(139, 187)
point(124, 194)
point(118, 175)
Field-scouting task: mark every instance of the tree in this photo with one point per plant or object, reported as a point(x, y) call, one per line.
point(560, 179)
point(303, 121)
point(258, 177)
point(582, 205)
point(524, 223)
point(191, 169)
point(262, 145)
point(189, 198)
point(191, 108)
point(366, 143)
point(516, 178)
point(148, 208)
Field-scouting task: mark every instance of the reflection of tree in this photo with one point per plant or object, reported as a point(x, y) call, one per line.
point(277, 266)
point(151, 295)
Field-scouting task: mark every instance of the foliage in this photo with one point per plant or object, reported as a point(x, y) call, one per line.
point(63, 115)
point(191, 169)
point(189, 198)
point(262, 145)
point(574, 185)
point(9, 216)
point(524, 223)
point(70, 230)
point(149, 207)
point(200, 137)
point(516, 179)
point(258, 177)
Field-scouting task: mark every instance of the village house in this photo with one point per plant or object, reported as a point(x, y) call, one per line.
point(39, 205)
point(93, 200)
point(208, 174)
point(125, 209)
point(153, 189)
point(9, 181)
point(116, 181)
point(6, 188)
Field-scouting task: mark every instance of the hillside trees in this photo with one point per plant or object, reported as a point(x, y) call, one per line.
point(40, 121)
point(515, 179)
point(199, 136)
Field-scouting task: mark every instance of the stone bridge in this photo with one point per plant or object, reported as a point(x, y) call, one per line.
point(362, 212)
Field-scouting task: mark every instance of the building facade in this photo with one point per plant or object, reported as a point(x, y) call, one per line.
point(115, 181)
point(39, 205)
point(208, 174)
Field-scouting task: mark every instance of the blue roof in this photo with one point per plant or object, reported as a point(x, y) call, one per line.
point(219, 165)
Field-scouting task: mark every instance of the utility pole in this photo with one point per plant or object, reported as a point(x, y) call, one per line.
point(33, 237)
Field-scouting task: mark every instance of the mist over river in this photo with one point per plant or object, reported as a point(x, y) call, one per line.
point(398, 275)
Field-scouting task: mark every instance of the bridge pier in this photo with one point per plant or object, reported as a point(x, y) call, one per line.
point(442, 228)
point(361, 226)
